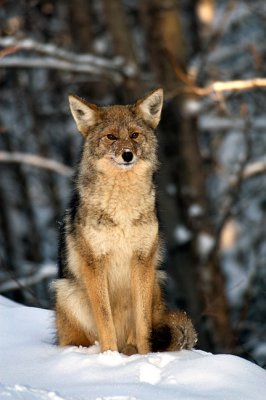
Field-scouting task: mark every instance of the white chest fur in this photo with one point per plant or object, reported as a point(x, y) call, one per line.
point(125, 198)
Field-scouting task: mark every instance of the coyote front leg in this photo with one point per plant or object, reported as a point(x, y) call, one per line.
point(95, 279)
point(142, 284)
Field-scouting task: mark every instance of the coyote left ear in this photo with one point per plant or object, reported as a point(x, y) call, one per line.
point(150, 107)
point(84, 113)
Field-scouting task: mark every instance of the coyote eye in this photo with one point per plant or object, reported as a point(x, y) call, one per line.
point(111, 136)
point(134, 135)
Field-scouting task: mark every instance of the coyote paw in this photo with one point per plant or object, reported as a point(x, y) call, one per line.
point(129, 350)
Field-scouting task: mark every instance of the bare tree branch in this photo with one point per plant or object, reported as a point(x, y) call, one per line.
point(37, 161)
point(255, 168)
point(231, 85)
point(8, 50)
point(218, 87)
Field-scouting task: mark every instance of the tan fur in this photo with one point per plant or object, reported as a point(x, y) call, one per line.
point(111, 286)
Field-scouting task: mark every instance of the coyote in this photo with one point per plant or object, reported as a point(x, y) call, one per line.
point(110, 286)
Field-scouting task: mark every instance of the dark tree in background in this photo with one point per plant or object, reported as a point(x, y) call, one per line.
point(209, 58)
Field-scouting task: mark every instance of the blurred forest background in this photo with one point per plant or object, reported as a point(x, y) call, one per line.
point(209, 56)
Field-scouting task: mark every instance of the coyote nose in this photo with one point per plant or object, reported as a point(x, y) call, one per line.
point(127, 156)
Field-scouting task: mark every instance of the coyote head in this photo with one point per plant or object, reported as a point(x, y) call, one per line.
point(119, 136)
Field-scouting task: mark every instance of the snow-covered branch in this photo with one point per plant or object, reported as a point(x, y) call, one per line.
point(214, 123)
point(56, 52)
point(37, 161)
point(58, 58)
point(45, 271)
point(53, 63)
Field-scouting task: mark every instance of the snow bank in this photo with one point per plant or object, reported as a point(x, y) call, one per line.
point(33, 368)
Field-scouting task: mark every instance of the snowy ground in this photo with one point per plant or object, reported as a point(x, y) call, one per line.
point(32, 368)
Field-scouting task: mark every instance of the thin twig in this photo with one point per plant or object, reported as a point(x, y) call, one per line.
point(36, 161)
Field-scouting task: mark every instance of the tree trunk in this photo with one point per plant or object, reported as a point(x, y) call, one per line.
point(208, 303)
point(123, 45)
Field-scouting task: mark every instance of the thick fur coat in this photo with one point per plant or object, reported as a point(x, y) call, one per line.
point(110, 286)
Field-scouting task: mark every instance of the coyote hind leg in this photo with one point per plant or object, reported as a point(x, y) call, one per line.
point(70, 333)
point(74, 323)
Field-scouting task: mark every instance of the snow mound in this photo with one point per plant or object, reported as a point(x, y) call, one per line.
point(33, 368)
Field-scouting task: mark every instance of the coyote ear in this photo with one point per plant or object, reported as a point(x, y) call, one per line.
point(150, 107)
point(85, 114)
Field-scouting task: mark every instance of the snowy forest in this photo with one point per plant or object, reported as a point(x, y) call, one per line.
point(209, 57)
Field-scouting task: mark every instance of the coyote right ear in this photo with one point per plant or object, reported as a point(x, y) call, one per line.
point(150, 107)
point(85, 114)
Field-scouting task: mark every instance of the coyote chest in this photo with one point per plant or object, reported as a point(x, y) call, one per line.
point(122, 224)
point(123, 221)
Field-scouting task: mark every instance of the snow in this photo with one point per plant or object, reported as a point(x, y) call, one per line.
point(182, 234)
point(191, 107)
point(195, 210)
point(171, 189)
point(205, 244)
point(33, 368)
point(232, 150)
